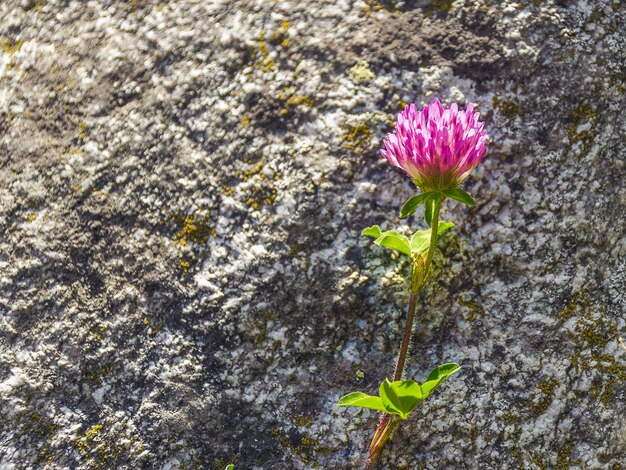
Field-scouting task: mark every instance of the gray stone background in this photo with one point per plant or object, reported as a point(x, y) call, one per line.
point(182, 279)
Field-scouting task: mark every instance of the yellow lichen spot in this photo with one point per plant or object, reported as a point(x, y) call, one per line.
point(582, 125)
point(298, 100)
point(156, 328)
point(510, 418)
point(547, 388)
point(563, 460)
point(474, 309)
point(279, 36)
point(377, 5)
point(11, 47)
point(36, 6)
point(265, 63)
point(84, 443)
point(72, 151)
point(263, 190)
point(357, 138)
point(31, 217)
point(102, 451)
point(97, 335)
point(305, 450)
point(245, 121)
point(507, 107)
point(361, 72)
point(12, 65)
point(82, 130)
point(537, 460)
point(253, 203)
point(93, 431)
point(590, 334)
point(193, 229)
point(579, 302)
point(184, 266)
point(435, 6)
point(302, 421)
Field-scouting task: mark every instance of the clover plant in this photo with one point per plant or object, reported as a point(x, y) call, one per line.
point(438, 148)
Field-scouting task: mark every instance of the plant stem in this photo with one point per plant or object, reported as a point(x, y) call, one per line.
point(383, 432)
point(408, 328)
point(406, 338)
point(387, 423)
point(433, 236)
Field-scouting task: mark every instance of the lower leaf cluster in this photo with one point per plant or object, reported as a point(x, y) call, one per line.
point(400, 397)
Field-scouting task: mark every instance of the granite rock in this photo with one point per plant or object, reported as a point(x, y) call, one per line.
point(182, 190)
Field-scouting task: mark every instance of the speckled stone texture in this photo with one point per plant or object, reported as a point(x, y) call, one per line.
point(182, 279)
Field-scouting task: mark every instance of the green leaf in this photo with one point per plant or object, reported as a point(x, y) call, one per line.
point(443, 371)
point(414, 202)
point(459, 195)
point(409, 392)
point(373, 231)
point(400, 397)
point(437, 376)
point(420, 241)
point(443, 226)
point(395, 241)
point(390, 400)
point(230, 466)
point(429, 208)
point(421, 238)
point(362, 400)
point(389, 239)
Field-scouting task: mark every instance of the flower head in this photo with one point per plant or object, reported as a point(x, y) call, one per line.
point(438, 147)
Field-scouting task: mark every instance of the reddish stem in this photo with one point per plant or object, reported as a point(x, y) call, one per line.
point(387, 424)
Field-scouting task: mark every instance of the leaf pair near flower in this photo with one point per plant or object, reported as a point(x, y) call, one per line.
point(401, 397)
point(414, 247)
point(430, 198)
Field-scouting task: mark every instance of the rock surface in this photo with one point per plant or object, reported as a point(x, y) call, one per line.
point(182, 189)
